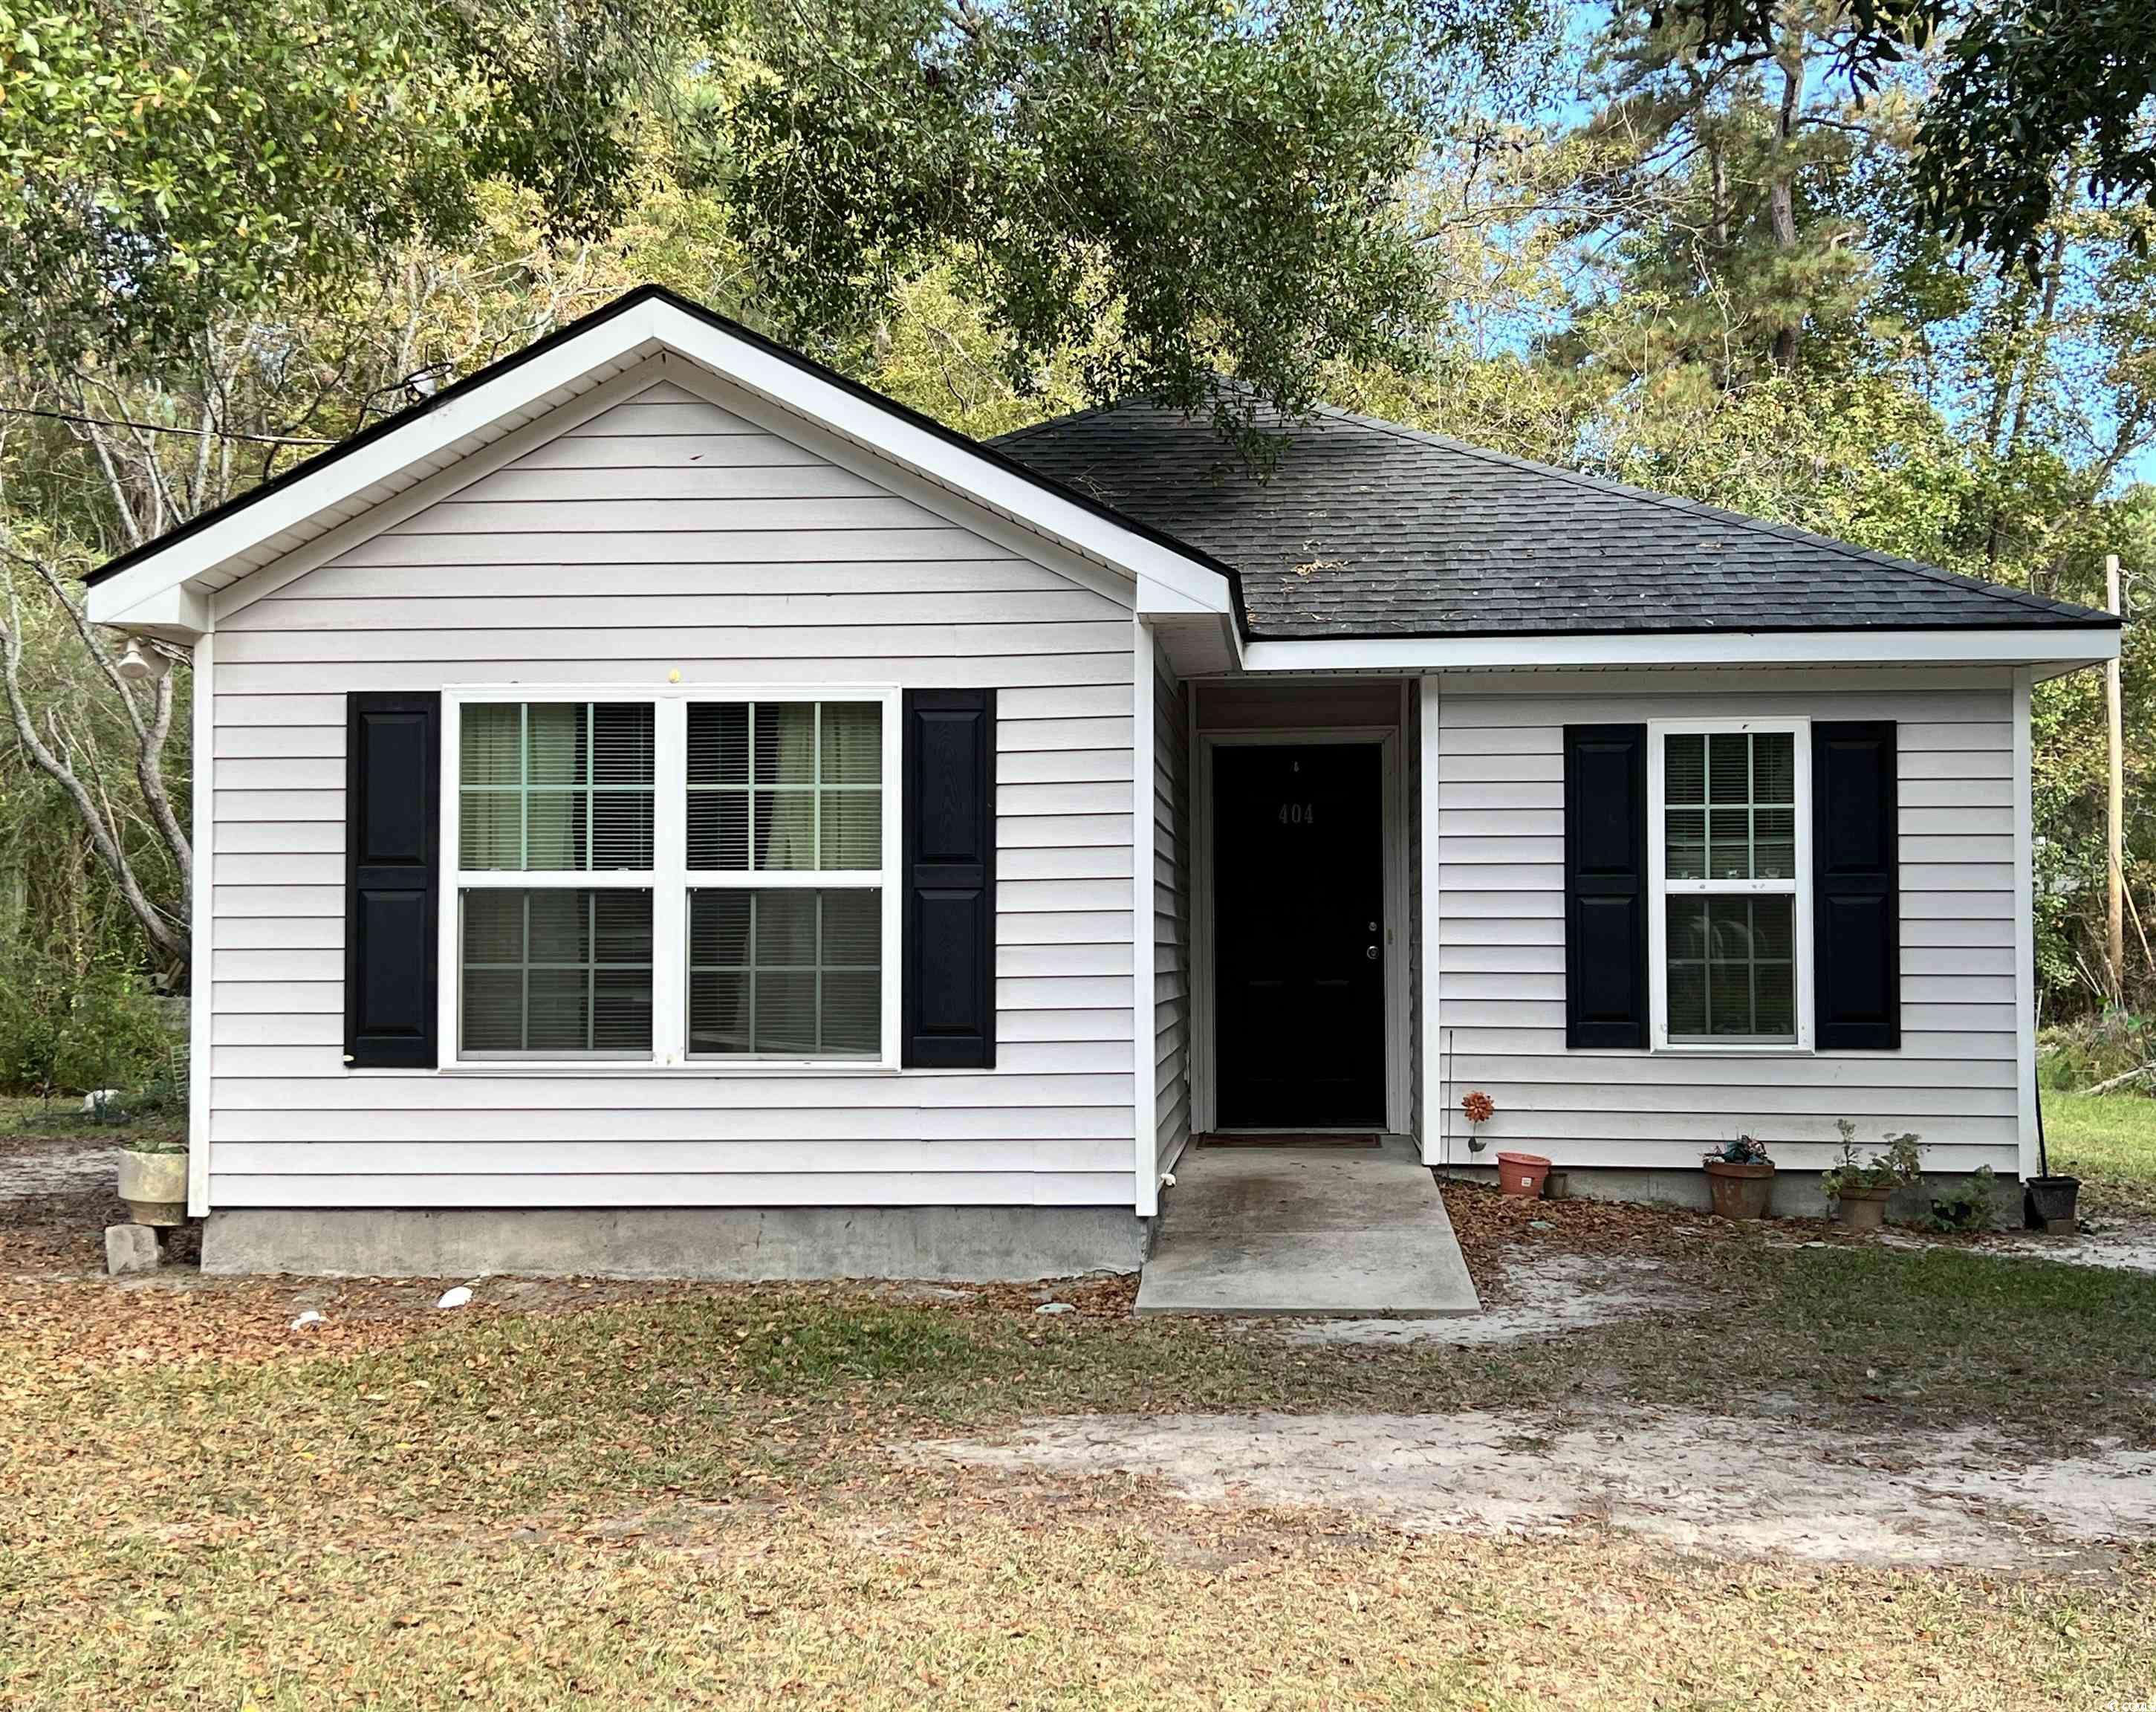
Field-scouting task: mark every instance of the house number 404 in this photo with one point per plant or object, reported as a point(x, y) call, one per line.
point(1298, 814)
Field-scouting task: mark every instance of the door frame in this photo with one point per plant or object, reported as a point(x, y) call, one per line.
point(1394, 857)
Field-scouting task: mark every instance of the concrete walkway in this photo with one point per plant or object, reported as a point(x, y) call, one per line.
point(1349, 1232)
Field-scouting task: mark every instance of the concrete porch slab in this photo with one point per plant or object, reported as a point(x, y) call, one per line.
point(1346, 1232)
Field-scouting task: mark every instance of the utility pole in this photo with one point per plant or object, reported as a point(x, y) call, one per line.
point(2115, 817)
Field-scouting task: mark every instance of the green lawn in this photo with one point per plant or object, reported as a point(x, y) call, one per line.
point(2109, 1142)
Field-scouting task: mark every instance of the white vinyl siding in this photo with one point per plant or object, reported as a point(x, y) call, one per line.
point(1499, 775)
point(1171, 918)
point(670, 535)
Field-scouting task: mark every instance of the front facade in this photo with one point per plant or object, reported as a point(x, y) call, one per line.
point(661, 808)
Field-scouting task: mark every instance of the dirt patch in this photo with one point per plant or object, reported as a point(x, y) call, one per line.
point(2124, 1245)
point(1540, 1296)
point(1704, 1483)
point(32, 1166)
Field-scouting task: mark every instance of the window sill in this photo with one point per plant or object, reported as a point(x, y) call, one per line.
point(606, 1068)
point(1735, 1049)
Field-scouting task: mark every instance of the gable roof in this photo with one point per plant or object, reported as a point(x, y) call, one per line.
point(1369, 529)
point(167, 582)
point(1365, 529)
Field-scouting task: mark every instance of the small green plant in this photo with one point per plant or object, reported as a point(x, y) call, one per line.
point(1971, 1205)
point(1901, 1166)
point(1742, 1151)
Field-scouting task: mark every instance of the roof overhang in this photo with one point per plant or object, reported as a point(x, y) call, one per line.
point(166, 587)
point(2050, 649)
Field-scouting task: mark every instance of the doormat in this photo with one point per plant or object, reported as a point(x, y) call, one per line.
point(1269, 1137)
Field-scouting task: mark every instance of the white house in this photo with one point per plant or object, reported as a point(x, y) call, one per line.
point(660, 806)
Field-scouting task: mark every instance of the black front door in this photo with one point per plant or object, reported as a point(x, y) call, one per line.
point(1298, 936)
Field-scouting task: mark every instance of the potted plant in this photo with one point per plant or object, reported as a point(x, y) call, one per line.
point(1741, 1178)
point(1859, 1188)
point(2049, 1203)
point(153, 1179)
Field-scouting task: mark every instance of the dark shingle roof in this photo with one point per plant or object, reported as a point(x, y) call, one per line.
point(1366, 528)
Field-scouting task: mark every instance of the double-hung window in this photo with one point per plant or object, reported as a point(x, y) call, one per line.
point(695, 876)
point(555, 833)
point(1729, 842)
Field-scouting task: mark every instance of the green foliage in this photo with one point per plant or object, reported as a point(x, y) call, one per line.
point(166, 163)
point(2095, 1048)
point(69, 1029)
point(2026, 96)
point(1901, 1166)
point(1222, 182)
point(1970, 1205)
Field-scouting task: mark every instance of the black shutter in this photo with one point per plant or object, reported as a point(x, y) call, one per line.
point(1856, 912)
point(1605, 885)
point(948, 984)
point(391, 877)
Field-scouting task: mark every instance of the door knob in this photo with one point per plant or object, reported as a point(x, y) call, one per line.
point(1370, 952)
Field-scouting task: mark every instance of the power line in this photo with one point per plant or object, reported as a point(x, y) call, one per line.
point(265, 440)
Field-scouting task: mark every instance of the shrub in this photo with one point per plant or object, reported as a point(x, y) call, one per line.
point(2094, 1048)
point(59, 1033)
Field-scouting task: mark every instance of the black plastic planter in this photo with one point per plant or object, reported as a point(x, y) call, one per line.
point(2050, 1203)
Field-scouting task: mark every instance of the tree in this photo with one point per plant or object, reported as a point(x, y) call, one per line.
point(1223, 183)
point(2018, 87)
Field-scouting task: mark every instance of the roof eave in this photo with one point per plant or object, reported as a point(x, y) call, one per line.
point(2054, 647)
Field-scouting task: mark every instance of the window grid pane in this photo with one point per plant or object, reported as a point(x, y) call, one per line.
point(1731, 967)
point(792, 974)
point(556, 786)
point(785, 786)
point(551, 972)
point(1729, 805)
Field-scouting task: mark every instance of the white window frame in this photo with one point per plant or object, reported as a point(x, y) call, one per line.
point(669, 881)
point(1661, 887)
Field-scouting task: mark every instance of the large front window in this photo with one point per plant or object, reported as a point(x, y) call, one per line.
point(689, 877)
point(1729, 842)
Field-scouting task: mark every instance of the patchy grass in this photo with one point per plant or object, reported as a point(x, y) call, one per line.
point(970, 1596)
point(2109, 1142)
point(677, 1495)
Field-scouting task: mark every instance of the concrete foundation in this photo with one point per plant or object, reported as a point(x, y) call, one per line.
point(1797, 1194)
point(965, 1244)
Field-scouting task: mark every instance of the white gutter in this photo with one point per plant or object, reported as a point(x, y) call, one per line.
point(2064, 645)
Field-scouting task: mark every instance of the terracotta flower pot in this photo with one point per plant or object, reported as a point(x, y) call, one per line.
point(1522, 1175)
point(1739, 1191)
point(155, 1187)
point(1861, 1209)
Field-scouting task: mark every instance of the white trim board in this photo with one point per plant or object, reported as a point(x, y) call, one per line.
point(202, 929)
point(2024, 929)
point(279, 522)
point(1145, 1133)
